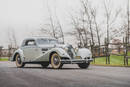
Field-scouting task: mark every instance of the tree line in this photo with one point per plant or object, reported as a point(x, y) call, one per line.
point(86, 26)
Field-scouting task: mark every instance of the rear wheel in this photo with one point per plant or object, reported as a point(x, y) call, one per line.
point(19, 62)
point(56, 61)
point(84, 65)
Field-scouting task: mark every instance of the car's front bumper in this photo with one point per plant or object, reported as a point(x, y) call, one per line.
point(75, 61)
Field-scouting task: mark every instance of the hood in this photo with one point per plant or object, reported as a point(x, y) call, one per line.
point(63, 45)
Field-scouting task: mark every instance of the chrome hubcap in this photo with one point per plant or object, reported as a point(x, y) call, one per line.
point(19, 60)
point(56, 60)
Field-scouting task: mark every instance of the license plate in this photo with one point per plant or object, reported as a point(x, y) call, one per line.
point(78, 57)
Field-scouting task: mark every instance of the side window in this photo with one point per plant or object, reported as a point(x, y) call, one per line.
point(42, 41)
point(30, 43)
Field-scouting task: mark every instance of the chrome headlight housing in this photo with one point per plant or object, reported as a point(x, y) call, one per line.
point(66, 49)
point(70, 51)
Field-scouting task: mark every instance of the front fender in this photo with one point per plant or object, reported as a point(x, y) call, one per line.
point(20, 52)
point(61, 52)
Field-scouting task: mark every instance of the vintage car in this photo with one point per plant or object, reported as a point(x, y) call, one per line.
point(45, 51)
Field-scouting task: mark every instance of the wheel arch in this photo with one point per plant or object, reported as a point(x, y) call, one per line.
point(61, 52)
point(14, 57)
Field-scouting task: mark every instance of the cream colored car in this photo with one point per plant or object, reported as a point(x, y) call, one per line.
point(45, 51)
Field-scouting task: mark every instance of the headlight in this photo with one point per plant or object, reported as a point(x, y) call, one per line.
point(90, 55)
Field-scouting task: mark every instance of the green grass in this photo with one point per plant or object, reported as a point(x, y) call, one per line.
point(128, 53)
point(3, 59)
point(114, 61)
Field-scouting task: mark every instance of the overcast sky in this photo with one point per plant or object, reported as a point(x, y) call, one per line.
point(26, 16)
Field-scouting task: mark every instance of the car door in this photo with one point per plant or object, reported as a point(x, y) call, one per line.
point(30, 50)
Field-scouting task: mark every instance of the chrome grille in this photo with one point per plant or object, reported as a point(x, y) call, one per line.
point(70, 53)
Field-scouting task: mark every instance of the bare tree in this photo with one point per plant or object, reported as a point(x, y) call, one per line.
point(54, 27)
point(88, 11)
point(12, 41)
point(77, 33)
point(83, 24)
point(124, 29)
point(52, 23)
point(94, 14)
point(61, 33)
point(12, 38)
point(84, 29)
point(128, 21)
point(50, 27)
point(111, 17)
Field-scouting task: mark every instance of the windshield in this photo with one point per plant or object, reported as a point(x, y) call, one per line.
point(47, 41)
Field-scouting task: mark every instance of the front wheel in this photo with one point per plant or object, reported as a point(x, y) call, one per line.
point(56, 61)
point(19, 62)
point(84, 65)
